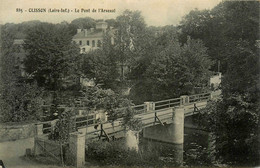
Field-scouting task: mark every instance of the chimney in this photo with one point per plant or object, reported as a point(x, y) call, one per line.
point(78, 30)
point(85, 32)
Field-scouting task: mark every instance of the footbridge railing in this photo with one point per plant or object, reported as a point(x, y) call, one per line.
point(96, 126)
point(149, 112)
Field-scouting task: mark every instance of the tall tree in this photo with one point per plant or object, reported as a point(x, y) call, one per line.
point(179, 70)
point(228, 21)
point(51, 56)
point(52, 60)
point(101, 65)
point(128, 38)
point(19, 101)
point(234, 119)
point(81, 23)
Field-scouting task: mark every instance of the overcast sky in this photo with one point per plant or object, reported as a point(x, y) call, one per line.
point(155, 12)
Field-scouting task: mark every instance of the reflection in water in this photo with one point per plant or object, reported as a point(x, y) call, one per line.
point(170, 154)
point(132, 140)
point(192, 153)
point(196, 151)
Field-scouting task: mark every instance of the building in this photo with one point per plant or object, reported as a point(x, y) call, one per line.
point(91, 39)
point(215, 81)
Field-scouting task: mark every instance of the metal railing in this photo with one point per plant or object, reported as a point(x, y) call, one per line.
point(85, 120)
point(199, 97)
point(167, 103)
point(88, 120)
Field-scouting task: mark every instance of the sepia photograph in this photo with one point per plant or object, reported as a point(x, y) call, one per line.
point(129, 83)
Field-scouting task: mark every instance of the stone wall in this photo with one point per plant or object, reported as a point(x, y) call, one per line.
point(15, 132)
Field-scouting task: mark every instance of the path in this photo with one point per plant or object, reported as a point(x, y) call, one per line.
point(11, 153)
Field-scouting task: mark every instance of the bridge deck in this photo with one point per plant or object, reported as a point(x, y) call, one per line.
point(149, 113)
point(147, 119)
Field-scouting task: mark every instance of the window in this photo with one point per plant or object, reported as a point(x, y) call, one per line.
point(93, 43)
point(80, 42)
point(99, 43)
point(88, 42)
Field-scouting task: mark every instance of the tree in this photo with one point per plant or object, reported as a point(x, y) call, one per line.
point(101, 65)
point(243, 70)
point(51, 56)
point(119, 65)
point(179, 70)
point(208, 27)
point(128, 39)
point(81, 23)
point(19, 101)
point(234, 124)
point(155, 40)
point(234, 119)
point(228, 21)
point(96, 98)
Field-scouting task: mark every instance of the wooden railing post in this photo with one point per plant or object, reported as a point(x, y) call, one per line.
point(77, 148)
point(53, 123)
point(38, 129)
point(184, 100)
point(150, 106)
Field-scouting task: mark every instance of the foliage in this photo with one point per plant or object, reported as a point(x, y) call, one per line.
point(129, 122)
point(128, 40)
point(20, 102)
point(230, 31)
point(64, 126)
point(51, 57)
point(179, 70)
point(81, 23)
point(96, 98)
point(228, 21)
point(235, 124)
point(169, 68)
point(121, 64)
point(243, 70)
point(115, 154)
point(101, 65)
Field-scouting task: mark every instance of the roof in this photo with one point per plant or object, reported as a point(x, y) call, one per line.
point(94, 33)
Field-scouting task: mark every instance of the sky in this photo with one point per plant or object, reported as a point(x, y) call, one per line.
point(155, 12)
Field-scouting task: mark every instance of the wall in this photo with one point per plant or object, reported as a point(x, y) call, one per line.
point(84, 40)
point(215, 80)
point(15, 132)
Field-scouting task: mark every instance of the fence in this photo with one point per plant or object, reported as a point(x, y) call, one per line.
point(91, 127)
point(199, 97)
point(167, 103)
point(89, 120)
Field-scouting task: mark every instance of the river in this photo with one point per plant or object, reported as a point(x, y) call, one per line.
point(194, 151)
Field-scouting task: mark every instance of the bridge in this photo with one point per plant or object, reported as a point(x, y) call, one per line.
point(161, 120)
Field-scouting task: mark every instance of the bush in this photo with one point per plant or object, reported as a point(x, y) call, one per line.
point(116, 154)
point(20, 102)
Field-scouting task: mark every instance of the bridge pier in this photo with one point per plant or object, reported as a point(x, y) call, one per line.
point(77, 149)
point(172, 133)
